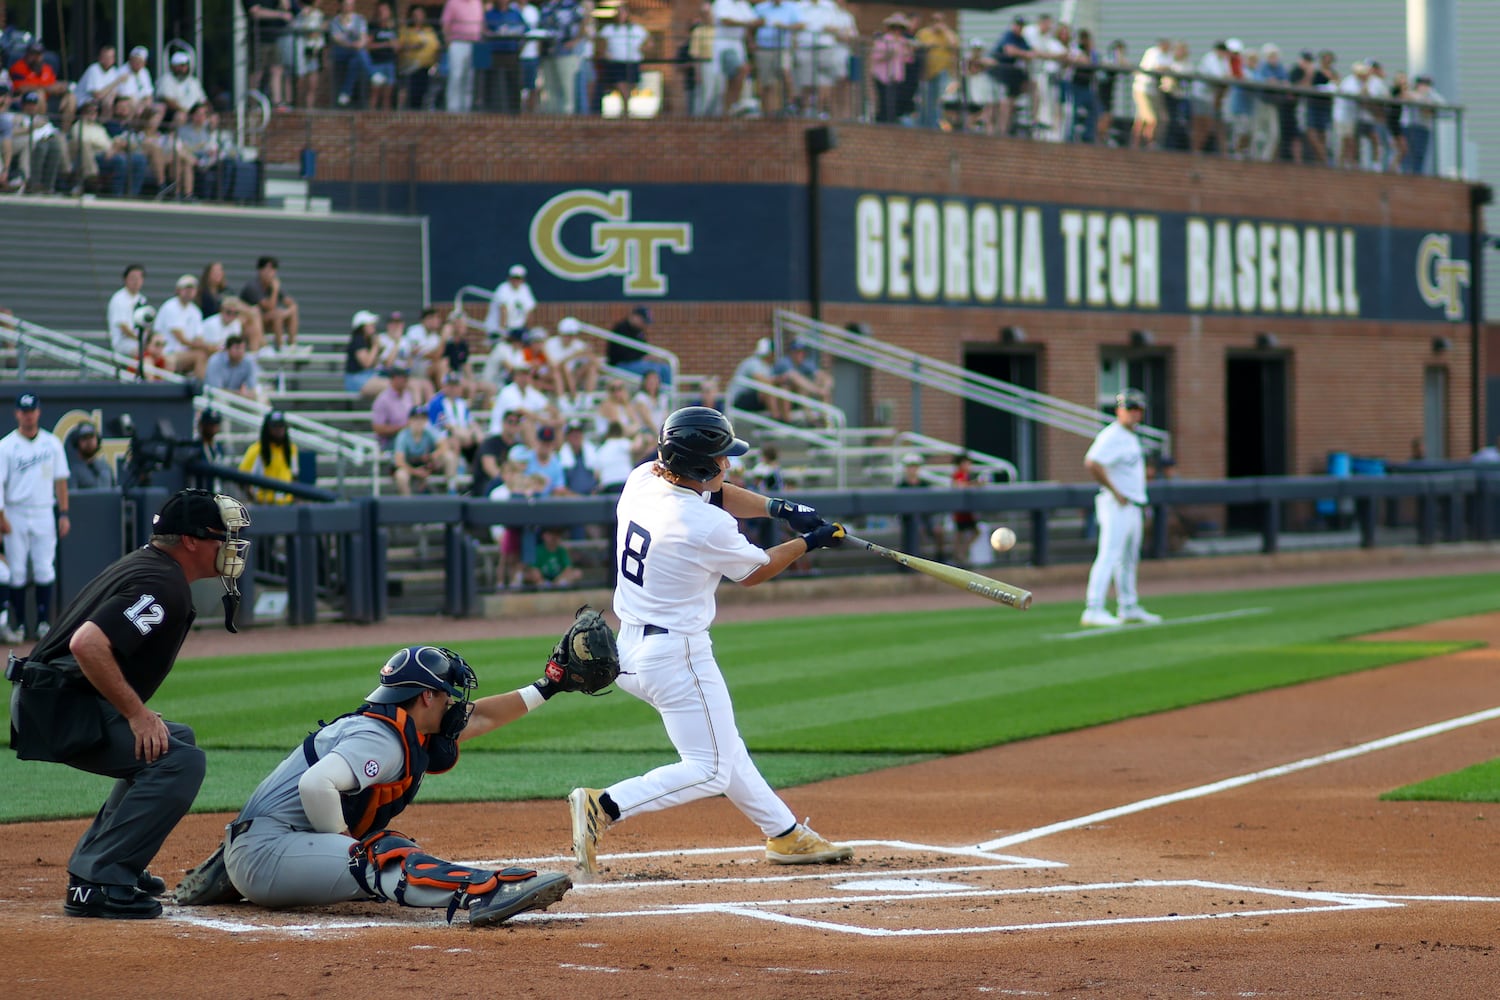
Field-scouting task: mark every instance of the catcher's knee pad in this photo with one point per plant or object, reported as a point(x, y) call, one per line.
point(369, 858)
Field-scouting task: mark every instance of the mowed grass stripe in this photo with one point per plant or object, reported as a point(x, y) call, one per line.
point(834, 695)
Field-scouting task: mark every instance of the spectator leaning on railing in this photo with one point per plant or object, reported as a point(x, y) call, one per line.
point(179, 89)
point(270, 21)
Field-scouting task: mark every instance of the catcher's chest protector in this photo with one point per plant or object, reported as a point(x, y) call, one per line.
point(374, 807)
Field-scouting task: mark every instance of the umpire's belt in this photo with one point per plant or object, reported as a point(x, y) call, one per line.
point(13, 668)
point(653, 630)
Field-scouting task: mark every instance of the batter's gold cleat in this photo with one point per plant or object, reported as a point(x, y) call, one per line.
point(803, 846)
point(589, 821)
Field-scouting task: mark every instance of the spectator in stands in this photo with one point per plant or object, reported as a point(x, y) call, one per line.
point(105, 157)
point(891, 57)
point(1081, 81)
point(168, 157)
point(542, 459)
point(504, 356)
point(233, 370)
point(101, 79)
point(362, 362)
point(624, 42)
point(213, 288)
point(87, 468)
point(938, 45)
point(724, 75)
point(307, 39)
point(551, 567)
point(1176, 93)
point(775, 26)
point(759, 368)
point(7, 129)
point(420, 454)
point(41, 151)
point(1150, 103)
point(1239, 106)
point(580, 458)
point(494, 451)
point(560, 62)
point(180, 90)
point(504, 26)
point(455, 333)
point(1400, 89)
point(615, 457)
point(1292, 124)
point(1266, 115)
point(521, 396)
point(1048, 46)
point(710, 394)
point(916, 527)
point(764, 475)
point(389, 410)
point(136, 83)
point(202, 142)
point(210, 448)
point(511, 306)
point(652, 402)
point(634, 359)
point(1208, 99)
point(418, 49)
point(388, 345)
point(1346, 114)
point(278, 310)
point(349, 39)
point(154, 359)
point(1489, 453)
point(1008, 68)
point(1416, 124)
point(1318, 111)
point(449, 415)
point(617, 408)
point(1114, 99)
point(226, 323)
point(1369, 124)
point(32, 73)
point(965, 523)
point(577, 366)
point(422, 346)
point(798, 372)
point(270, 22)
point(181, 322)
point(382, 49)
point(273, 456)
point(124, 327)
point(463, 28)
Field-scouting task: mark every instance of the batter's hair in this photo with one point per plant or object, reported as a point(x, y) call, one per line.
point(657, 469)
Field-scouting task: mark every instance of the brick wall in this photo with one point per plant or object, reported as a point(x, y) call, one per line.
point(1355, 386)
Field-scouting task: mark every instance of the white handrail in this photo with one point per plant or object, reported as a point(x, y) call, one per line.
point(1053, 411)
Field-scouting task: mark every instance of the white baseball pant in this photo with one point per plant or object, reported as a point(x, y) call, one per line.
point(1119, 552)
point(31, 546)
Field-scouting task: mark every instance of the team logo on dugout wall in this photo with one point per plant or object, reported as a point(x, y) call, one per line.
point(1440, 278)
point(617, 244)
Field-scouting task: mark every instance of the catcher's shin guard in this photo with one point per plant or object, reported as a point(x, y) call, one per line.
point(421, 880)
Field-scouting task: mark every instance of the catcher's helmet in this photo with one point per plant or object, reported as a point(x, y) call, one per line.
point(1131, 399)
point(414, 669)
point(692, 438)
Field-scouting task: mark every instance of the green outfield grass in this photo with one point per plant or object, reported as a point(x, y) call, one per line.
point(1480, 783)
point(816, 697)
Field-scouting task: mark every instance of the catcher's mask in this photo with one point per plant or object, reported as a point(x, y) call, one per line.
point(415, 669)
point(215, 516)
point(693, 438)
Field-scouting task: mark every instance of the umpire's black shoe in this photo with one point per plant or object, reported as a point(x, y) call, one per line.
point(151, 885)
point(111, 902)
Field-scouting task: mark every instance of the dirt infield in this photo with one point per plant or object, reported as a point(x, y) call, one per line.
point(1229, 850)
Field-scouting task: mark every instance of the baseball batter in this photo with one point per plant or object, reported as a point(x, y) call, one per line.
point(1117, 462)
point(315, 831)
point(677, 538)
point(33, 478)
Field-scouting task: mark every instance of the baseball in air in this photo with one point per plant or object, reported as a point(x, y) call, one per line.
point(1002, 539)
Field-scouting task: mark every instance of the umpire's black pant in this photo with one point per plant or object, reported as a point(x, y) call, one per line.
point(144, 806)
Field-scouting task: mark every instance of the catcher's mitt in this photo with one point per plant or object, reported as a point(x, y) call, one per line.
point(585, 659)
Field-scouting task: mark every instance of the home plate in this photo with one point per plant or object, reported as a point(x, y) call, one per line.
point(901, 885)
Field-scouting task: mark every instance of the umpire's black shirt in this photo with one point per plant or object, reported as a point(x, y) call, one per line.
point(143, 604)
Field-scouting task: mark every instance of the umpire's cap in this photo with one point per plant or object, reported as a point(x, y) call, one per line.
point(1131, 399)
point(190, 512)
point(693, 438)
point(415, 669)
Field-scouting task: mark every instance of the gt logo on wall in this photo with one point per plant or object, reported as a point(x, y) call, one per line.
point(1440, 278)
point(618, 245)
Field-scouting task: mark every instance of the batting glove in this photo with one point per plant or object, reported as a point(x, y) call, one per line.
point(827, 535)
point(799, 516)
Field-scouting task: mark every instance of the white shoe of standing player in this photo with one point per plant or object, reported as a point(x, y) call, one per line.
point(1140, 615)
point(1098, 618)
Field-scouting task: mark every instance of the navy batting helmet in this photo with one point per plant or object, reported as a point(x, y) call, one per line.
point(415, 669)
point(692, 438)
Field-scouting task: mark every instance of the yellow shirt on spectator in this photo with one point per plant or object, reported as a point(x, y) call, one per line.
point(424, 50)
point(942, 50)
point(280, 466)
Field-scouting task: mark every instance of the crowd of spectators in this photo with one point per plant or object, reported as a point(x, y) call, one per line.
point(114, 131)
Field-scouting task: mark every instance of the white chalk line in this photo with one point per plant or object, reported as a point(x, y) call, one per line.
point(1116, 630)
point(1213, 788)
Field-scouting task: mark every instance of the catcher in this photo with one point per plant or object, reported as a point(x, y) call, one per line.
point(317, 830)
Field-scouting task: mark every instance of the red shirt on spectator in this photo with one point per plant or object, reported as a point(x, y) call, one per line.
point(24, 78)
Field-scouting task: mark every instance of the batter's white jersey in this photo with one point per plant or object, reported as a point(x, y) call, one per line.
point(29, 468)
point(672, 548)
point(1118, 449)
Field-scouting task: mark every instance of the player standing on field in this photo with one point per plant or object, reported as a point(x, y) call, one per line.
point(33, 476)
point(80, 698)
point(677, 537)
point(1117, 462)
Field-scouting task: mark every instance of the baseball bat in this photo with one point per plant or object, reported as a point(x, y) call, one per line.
point(974, 583)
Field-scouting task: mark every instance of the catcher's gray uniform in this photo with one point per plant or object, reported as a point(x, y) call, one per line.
point(279, 860)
